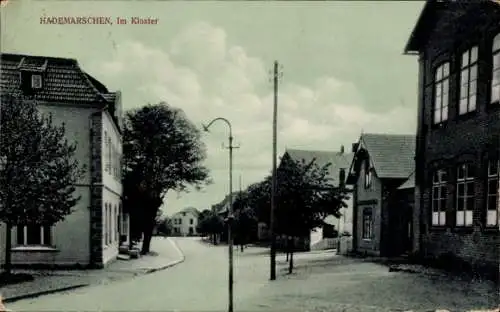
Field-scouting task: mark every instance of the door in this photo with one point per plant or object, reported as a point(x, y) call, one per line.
point(408, 217)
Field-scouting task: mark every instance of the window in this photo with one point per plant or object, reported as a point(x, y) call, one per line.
point(106, 224)
point(180, 221)
point(465, 194)
point(190, 221)
point(493, 202)
point(468, 81)
point(191, 231)
point(368, 175)
point(495, 78)
point(367, 224)
point(120, 159)
point(115, 224)
point(110, 224)
point(439, 197)
point(441, 91)
point(119, 230)
point(107, 163)
point(34, 235)
point(110, 155)
point(36, 81)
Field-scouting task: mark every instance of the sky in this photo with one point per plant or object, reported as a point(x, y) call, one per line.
point(343, 68)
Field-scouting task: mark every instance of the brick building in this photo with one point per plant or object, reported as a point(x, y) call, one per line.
point(89, 236)
point(458, 141)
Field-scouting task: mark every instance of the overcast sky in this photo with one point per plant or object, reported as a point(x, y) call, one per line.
point(343, 70)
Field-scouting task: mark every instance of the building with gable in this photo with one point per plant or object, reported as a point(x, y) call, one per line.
point(382, 175)
point(185, 222)
point(458, 146)
point(91, 235)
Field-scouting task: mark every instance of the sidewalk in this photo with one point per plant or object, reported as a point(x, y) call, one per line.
point(329, 282)
point(165, 254)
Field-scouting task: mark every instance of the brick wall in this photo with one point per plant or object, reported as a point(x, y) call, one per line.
point(96, 201)
point(473, 138)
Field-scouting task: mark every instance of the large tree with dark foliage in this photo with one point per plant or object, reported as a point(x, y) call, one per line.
point(245, 226)
point(38, 169)
point(162, 152)
point(210, 224)
point(304, 198)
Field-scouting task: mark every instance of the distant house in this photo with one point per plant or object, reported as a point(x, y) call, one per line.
point(458, 148)
point(382, 174)
point(91, 235)
point(185, 222)
point(339, 162)
point(222, 209)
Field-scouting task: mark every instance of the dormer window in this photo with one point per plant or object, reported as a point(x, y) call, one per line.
point(36, 81)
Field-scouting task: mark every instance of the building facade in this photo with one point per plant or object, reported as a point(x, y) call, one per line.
point(458, 145)
point(90, 235)
point(185, 222)
point(381, 172)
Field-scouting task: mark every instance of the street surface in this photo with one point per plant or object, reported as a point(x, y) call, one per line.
point(322, 282)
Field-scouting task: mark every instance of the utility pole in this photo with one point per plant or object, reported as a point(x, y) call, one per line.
point(276, 76)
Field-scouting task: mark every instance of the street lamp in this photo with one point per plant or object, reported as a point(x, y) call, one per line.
point(230, 216)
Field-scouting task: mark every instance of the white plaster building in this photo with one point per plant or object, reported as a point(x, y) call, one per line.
point(90, 236)
point(184, 222)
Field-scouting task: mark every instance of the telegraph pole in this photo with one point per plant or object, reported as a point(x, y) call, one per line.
point(276, 76)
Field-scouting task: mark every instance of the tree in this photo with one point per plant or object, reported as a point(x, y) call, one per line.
point(258, 197)
point(164, 226)
point(162, 152)
point(210, 224)
point(245, 225)
point(304, 199)
point(38, 169)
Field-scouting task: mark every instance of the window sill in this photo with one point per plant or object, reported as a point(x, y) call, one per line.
point(466, 116)
point(491, 229)
point(463, 229)
point(34, 249)
point(493, 107)
point(438, 228)
point(439, 125)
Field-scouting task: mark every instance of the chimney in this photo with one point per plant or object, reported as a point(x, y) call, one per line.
point(341, 149)
point(355, 147)
point(342, 177)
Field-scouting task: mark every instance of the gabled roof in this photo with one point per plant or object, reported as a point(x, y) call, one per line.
point(408, 184)
point(64, 80)
point(223, 206)
point(191, 210)
point(392, 155)
point(426, 20)
point(338, 160)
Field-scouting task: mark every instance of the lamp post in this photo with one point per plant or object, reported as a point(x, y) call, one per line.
point(230, 216)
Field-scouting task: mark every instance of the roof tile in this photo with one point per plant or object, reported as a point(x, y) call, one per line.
point(393, 155)
point(64, 81)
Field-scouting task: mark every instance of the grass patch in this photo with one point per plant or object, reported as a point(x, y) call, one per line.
point(14, 278)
